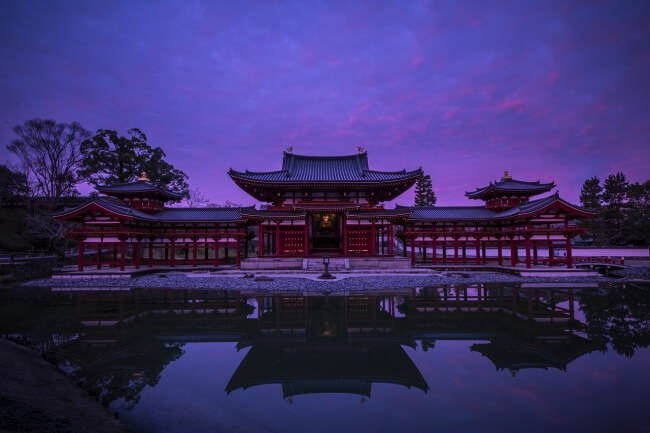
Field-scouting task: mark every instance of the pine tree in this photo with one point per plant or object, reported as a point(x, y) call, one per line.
point(591, 198)
point(615, 200)
point(424, 195)
point(637, 217)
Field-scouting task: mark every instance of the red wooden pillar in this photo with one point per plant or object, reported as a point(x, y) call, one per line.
point(80, 257)
point(305, 246)
point(412, 249)
point(499, 251)
point(260, 240)
point(551, 255)
point(238, 251)
point(373, 234)
point(172, 253)
point(527, 250)
point(122, 254)
point(391, 240)
point(150, 261)
point(485, 252)
point(478, 250)
point(535, 254)
point(136, 254)
point(278, 241)
point(434, 253)
point(455, 249)
point(424, 249)
point(194, 252)
point(569, 253)
point(444, 250)
point(513, 252)
point(345, 235)
point(99, 256)
point(216, 252)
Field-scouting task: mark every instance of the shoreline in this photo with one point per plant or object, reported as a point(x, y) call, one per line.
point(36, 396)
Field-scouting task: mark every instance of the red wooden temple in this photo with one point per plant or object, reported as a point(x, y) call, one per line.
point(316, 205)
point(509, 221)
point(321, 205)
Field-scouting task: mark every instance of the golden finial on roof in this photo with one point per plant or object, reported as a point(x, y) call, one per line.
point(143, 177)
point(360, 149)
point(506, 175)
point(290, 149)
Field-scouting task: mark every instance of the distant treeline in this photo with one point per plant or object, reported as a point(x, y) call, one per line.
point(622, 211)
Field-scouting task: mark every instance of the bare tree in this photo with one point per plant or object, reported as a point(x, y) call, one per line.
point(195, 198)
point(49, 151)
point(228, 203)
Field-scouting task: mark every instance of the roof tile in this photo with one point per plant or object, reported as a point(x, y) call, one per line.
point(301, 168)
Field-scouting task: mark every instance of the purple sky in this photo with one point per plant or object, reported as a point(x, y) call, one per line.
point(465, 89)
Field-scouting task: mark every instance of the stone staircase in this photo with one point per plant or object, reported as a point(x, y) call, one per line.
point(337, 264)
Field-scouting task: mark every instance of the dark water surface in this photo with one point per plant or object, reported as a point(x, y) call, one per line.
point(482, 358)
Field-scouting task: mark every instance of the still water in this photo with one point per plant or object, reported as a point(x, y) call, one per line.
point(482, 358)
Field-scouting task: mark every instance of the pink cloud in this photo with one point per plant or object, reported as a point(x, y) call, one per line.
point(418, 60)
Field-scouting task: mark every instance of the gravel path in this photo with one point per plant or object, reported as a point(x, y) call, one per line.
point(308, 282)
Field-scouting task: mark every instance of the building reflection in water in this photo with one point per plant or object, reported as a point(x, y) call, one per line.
point(117, 342)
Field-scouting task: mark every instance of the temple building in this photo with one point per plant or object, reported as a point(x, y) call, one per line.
point(508, 222)
point(325, 205)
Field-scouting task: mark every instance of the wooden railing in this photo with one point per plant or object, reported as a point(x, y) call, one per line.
point(484, 231)
point(132, 232)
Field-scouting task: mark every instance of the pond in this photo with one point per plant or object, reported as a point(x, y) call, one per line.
point(450, 358)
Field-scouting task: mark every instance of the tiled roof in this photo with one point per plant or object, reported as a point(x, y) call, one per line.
point(325, 206)
point(199, 214)
point(111, 205)
point(350, 168)
point(536, 205)
point(460, 213)
point(451, 213)
point(384, 213)
point(140, 186)
point(511, 186)
point(170, 214)
point(252, 213)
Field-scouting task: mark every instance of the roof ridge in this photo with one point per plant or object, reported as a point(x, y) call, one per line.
point(352, 156)
point(402, 171)
point(261, 172)
point(449, 207)
point(530, 182)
